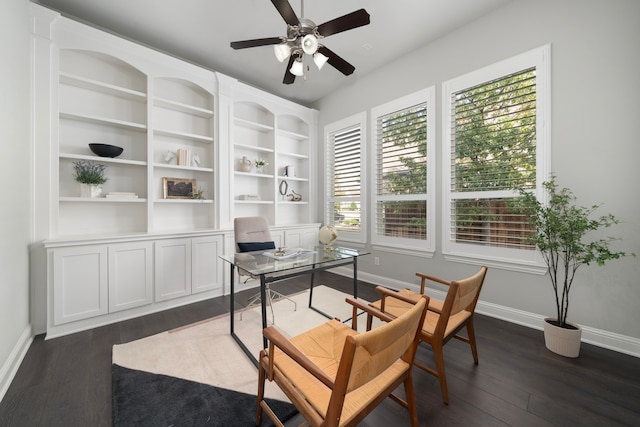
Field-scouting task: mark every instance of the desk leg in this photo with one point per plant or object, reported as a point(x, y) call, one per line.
point(233, 292)
point(355, 277)
point(232, 313)
point(311, 286)
point(263, 306)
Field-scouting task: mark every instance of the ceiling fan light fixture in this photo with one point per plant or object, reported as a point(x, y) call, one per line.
point(309, 44)
point(297, 69)
point(319, 60)
point(282, 51)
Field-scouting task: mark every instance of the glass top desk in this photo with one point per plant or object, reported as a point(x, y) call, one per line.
point(272, 269)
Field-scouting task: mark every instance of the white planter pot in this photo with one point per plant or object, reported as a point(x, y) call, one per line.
point(562, 341)
point(90, 190)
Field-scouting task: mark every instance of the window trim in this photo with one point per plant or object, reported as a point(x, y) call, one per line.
point(511, 259)
point(331, 128)
point(403, 245)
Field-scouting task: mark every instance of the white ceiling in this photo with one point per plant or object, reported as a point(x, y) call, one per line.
point(200, 31)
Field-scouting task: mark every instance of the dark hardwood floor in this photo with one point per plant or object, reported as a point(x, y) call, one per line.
point(67, 381)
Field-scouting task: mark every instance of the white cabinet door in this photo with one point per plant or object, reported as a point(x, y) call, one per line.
point(278, 237)
point(172, 269)
point(206, 268)
point(130, 275)
point(301, 237)
point(79, 283)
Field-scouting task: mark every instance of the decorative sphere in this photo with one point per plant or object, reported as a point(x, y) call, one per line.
point(327, 234)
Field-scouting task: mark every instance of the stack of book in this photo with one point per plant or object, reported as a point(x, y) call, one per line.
point(121, 195)
point(184, 157)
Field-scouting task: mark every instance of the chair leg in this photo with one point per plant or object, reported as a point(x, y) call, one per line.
point(272, 296)
point(439, 359)
point(276, 296)
point(269, 296)
point(253, 300)
point(472, 340)
point(411, 400)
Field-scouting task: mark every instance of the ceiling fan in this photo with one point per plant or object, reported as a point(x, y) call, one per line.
point(302, 38)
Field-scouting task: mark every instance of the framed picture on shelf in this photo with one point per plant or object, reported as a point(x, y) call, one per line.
point(178, 188)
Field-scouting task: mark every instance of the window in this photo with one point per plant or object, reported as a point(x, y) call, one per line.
point(402, 195)
point(495, 123)
point(344, 168)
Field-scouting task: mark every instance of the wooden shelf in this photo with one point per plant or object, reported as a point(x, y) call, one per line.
point(102, 159)
point(184, 201)
point(292, 178)
point(255, 175)
point(254, 202)
point(185, 168)
point(184, 135)
point(254, 148)
point(104, 121)
point(253, 125)
point(184, 108)
point(101, 200)
point(94, 85)
point(293, 135)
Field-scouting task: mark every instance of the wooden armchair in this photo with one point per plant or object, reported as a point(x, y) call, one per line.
point(336, 376)
point(444, 318)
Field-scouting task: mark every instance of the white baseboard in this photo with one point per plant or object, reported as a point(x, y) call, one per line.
point(609, 340)
point(11, 365)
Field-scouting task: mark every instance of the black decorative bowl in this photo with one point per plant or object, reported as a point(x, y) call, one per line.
point(106, 150)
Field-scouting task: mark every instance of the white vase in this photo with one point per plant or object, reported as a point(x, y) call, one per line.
point(90, 190)
point(244, 165)
point(562, 341)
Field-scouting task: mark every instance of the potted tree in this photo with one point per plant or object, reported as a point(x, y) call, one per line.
point(90, 175)
point(559, 231)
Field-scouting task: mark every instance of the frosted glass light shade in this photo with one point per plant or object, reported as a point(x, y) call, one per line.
point(282, 51)
point(319, 60)
point(309, 44)
point(297, 69)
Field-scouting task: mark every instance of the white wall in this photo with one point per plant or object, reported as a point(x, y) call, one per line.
point(595, 141)
point(15, 169)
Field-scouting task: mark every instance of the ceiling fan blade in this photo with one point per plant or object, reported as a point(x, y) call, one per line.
point(289, 78)
point(286, 11)
point(256, 42)
point(336, 61)
point(347, 22)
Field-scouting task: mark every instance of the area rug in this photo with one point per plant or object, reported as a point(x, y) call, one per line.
point(197, 374)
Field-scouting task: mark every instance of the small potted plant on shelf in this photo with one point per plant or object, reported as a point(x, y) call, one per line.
point(260, 164)
point(198, 193)
point(90, 175)
point(559, 231)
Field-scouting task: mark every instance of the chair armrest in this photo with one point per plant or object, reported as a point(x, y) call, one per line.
point(371, 311)
point(425, 277)
point(394, 294)
point(278, 340)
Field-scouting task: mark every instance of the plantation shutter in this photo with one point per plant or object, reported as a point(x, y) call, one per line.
point(493, 153)
point(401, 173)
point(344, 173)
point(346, 163)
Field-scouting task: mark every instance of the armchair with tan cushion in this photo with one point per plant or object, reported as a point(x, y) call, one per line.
point(334, 375)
